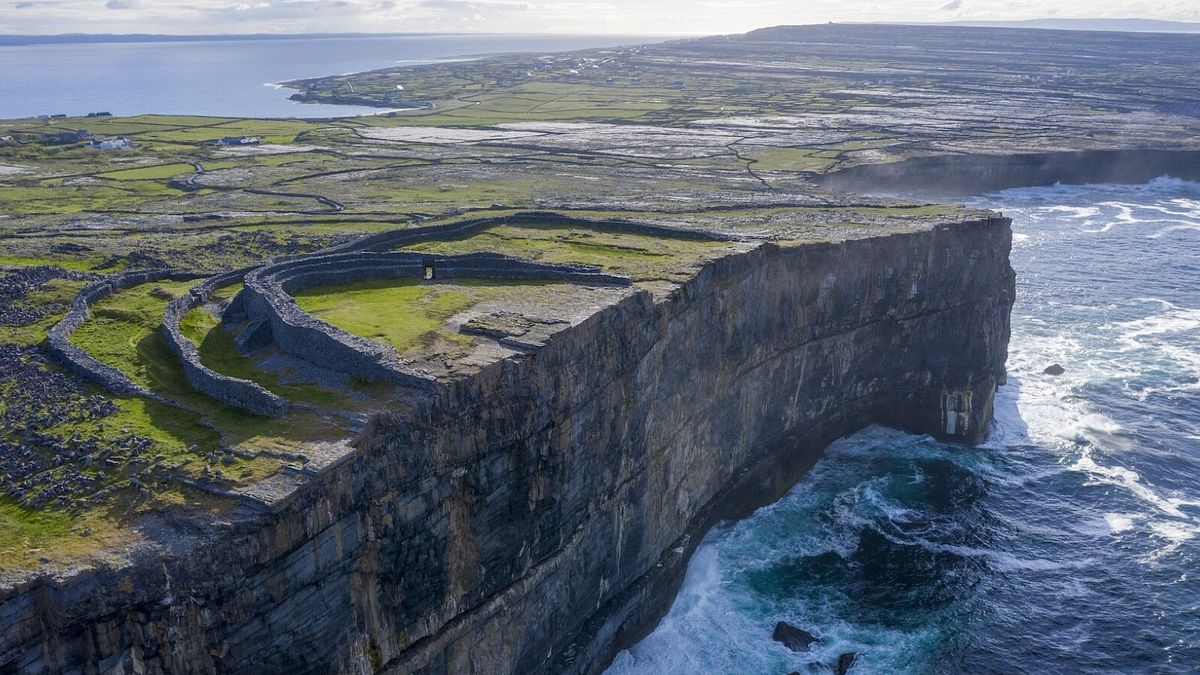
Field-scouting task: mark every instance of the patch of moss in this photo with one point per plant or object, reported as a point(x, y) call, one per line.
point(29, 537)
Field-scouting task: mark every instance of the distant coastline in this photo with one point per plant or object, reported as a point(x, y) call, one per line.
point(1134, 25)
point(108, 38)
point(226, 76)
point(1099, 25)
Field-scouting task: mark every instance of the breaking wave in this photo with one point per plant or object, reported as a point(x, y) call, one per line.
point(1066, 543)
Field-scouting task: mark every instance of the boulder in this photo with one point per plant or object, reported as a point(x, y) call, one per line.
point(795, 639)
point(1054, 369)
point(845, 662)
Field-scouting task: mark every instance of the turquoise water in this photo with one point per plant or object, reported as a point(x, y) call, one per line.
point(229, 77)
point(1067, 544)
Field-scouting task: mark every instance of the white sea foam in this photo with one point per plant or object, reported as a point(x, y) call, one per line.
point(1100, 503)
point(1119, 522)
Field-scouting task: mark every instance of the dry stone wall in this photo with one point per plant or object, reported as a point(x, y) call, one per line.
point(58, 340)
point(232, 391)
point(537, 515)
point(266, 298)
point(386, 241)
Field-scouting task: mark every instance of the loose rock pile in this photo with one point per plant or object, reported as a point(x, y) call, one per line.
point(15, 287)
point(40, 468)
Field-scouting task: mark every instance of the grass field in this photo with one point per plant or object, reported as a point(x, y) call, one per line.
point(404, 313)
point(123, 332)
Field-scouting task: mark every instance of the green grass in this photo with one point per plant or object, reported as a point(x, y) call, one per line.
point(639, 257)
point(28, 537)
point(124, 333)
point(57, 292)
point(13, 260)
point(157, 171)
point(405, 313)
point(794, 159)
point(218, 351)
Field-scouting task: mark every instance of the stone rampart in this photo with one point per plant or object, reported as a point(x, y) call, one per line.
point(58, 340)
point(232, 391)
point(266, 297)
point(386, 241)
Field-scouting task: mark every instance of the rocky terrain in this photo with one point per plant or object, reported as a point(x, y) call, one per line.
point(459, 388)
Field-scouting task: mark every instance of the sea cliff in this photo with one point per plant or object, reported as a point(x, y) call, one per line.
point(538, 515)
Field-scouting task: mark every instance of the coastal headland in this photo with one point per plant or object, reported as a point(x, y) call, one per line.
point(461, 387)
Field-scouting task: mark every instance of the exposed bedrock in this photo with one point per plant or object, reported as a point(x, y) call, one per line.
point(537, 516)
point(962, 174)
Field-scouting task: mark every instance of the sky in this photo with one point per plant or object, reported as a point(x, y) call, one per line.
point(650, 17)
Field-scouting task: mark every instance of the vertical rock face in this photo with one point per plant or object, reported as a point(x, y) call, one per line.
point(538, 516)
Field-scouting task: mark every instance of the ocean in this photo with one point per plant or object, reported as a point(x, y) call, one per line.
point(232, 78)
point(1067, 544)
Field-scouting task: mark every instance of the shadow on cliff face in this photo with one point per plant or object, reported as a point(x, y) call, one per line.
point(956, 175)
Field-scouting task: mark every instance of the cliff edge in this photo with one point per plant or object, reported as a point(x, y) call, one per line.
point(537, 515)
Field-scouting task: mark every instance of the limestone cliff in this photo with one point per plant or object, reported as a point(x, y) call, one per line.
point(537, 516)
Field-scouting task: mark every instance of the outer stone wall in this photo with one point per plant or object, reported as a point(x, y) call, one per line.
point(58, 339)
point(386, 241)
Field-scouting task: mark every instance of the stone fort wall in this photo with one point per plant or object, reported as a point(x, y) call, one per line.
point(232, 391)
point(58, 340)
point(267, 298)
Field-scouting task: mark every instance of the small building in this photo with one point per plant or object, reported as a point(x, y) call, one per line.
point(120, 143)
point(235, 140)
point(99, 114)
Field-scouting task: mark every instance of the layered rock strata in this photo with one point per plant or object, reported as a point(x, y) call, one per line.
point(537, 515)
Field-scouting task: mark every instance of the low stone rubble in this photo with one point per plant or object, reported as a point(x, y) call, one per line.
point(15, 287)
point(42, 468)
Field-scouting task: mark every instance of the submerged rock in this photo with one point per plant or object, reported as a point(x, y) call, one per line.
point(795, 639)
point(1054, 369)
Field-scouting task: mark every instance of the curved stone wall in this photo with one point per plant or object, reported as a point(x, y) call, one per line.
point(266, 297)
point(386, 241)
point(232, 391)
point(270, 305)
point(538, 515)
point(58, 340)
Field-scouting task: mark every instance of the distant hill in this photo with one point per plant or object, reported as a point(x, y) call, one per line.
point(1121, 25)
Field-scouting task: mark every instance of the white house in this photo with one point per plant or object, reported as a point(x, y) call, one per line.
point(120, 143)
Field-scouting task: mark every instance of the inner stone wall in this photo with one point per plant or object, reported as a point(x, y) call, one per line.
point(266, 299)
point(535, 516)
point(232, 391)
